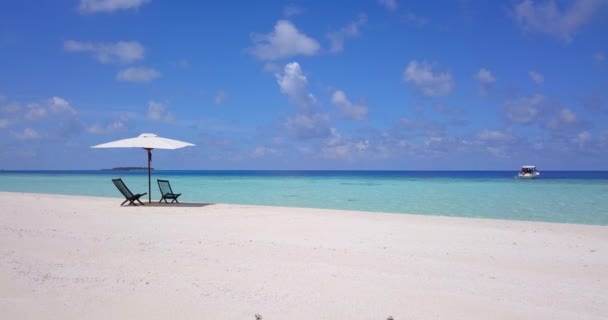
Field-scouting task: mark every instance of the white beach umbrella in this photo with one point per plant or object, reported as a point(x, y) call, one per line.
point(146, 141)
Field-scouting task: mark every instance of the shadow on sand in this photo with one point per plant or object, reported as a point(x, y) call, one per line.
point(175, 205)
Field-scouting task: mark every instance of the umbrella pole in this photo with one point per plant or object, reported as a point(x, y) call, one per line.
point(149, 187)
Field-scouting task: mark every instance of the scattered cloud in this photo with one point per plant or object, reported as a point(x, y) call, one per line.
point(180, 64)
point(348, 110)
point(12, 107)
point(485, 79)
point(536, 77)
point(425, 82)
point(94, 6)
point(138, 74)
point(159, 111)
point(54, 105)
point(546, 114)
point(284, 42)
point(4, 123)
point(272, 68)
point(261, 152)
point(59, 105)
point(27, 134)
point(599, 57)
point(294, 84)
point(338, 147)
point(494, 135)
point(582, 138)
point(524, 110)
point(115, 126)
point(292, 10)
point(121, 51)
point(567, 115)
point(390, 5)
point(308, 126)
point(337, 38)
point(220, 96)
point(555, 118)
point(562, 23)
point(36, 112)
point(440, 108)
point(414, 19)
point(484, 76)
point(69, 127)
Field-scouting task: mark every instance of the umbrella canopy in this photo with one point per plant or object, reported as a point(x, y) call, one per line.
point(147, 141)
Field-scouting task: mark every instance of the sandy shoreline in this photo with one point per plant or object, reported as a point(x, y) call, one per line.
point(71, 257)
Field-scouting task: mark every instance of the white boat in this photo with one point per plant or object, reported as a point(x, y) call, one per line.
point(528, 172)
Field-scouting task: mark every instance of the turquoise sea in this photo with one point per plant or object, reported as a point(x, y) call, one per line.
point(557, 196)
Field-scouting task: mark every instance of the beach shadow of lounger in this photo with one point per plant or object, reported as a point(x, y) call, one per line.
point(178, 205)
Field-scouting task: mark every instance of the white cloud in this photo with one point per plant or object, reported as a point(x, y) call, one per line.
point(348, 109)
point(485, 79)
point(294, 85)
point(599, 57)
point(420, 75)
point(493, 135)
point(11, 108)
point(284, 42)
point(114, 126)
point(337, 38)
point(308, 126)
point(524, 110)
point(54, 105)
point(337, 147)
point(36, 112)
point(159, 111)
point(93, 6)
point(554, 118)
point(484, 76)
point(138, 74)
point(292, 10)
point(264, 151)
point(121, 51)
point(4, 123)
point(536, 77)
point(27, 134)
point(220, 96)
point(547, 18)
point(389, 4)
point(59, 105)
point(272, 68)
point(582, 138)
point(567, 116)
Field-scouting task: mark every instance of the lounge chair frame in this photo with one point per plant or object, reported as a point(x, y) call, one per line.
point(129, 196)
point(166, 192)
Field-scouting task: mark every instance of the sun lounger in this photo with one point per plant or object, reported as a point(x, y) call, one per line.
point(166, 191)
point(129, 196)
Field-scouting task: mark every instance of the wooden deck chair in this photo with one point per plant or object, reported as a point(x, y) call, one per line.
point(129, 196)
point(166, 191)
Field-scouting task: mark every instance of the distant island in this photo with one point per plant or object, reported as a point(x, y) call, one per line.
point(127, 169)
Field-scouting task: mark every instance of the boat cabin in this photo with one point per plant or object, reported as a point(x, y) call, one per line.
point(528, 169)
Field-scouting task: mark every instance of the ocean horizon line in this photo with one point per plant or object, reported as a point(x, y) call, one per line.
point(297, 170)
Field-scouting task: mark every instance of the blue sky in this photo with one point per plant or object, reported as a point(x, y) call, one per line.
point(377, 84)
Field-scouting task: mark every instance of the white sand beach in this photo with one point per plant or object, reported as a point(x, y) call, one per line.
point(71, 257)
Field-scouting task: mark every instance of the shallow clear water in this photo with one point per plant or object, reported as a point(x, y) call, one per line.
point(560, 196)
